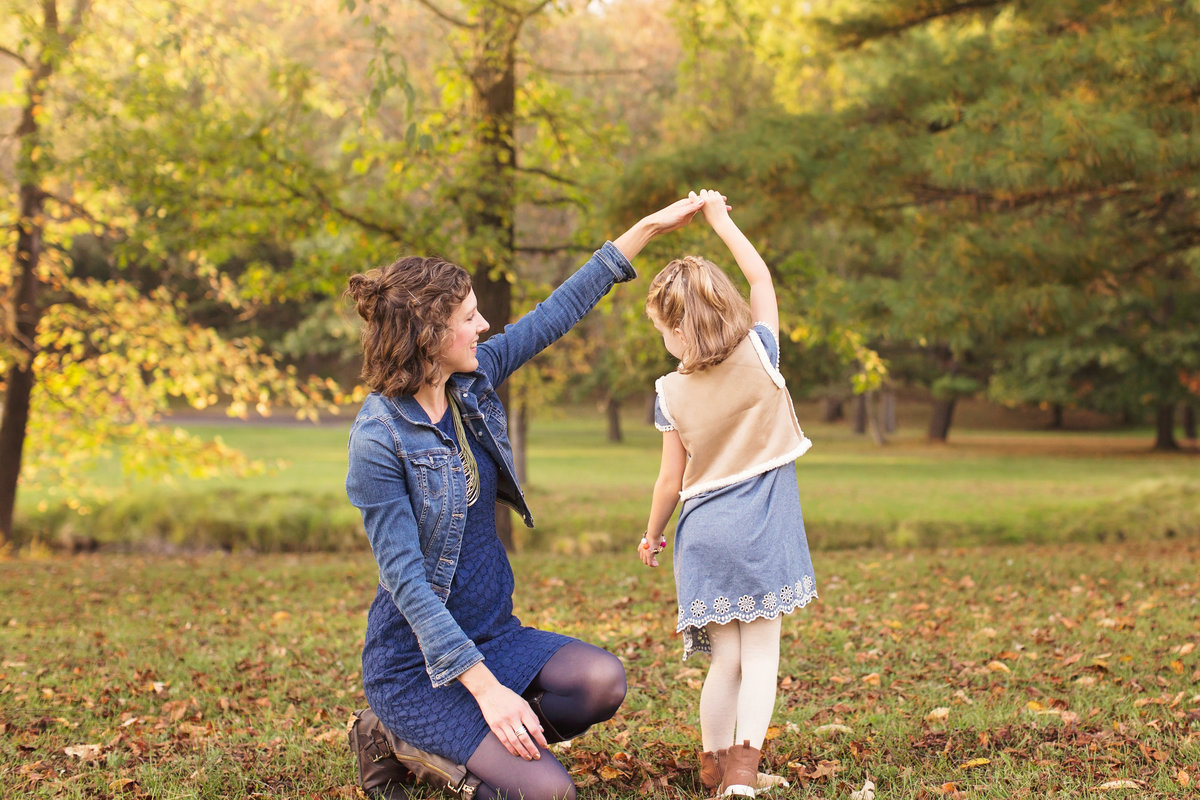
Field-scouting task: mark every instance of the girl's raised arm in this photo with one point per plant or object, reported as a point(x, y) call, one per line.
point(763, 305)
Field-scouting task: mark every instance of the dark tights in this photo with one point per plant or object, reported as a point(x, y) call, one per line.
point(581, 685)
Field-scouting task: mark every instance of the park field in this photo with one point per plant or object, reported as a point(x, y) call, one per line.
point(1000, 479)
point(1012, 614)
point(1066, 671)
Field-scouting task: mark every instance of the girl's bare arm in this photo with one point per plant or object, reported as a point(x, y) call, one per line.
point(763, 305)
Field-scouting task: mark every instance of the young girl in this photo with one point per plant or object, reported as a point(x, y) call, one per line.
point(730, 440)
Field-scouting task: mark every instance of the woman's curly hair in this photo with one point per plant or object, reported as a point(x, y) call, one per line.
point(696, 296)
point(407, 307)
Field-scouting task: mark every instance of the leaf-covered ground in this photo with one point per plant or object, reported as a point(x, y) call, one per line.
point(1066, 671)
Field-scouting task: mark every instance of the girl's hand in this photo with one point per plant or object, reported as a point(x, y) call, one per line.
point(715, 206)
point(650, 547)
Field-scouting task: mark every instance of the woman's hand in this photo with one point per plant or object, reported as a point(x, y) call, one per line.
point(665, 220)
point(674, 216)
point(507, 714)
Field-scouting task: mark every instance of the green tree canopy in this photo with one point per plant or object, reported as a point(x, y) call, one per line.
point(1007, 187)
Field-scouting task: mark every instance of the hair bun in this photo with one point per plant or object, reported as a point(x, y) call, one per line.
point(365, 289)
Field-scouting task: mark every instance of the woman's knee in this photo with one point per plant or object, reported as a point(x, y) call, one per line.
point(609, 685)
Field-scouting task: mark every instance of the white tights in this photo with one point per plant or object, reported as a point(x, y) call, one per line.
point(738, 697)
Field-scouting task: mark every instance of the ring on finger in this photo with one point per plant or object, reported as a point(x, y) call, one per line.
point(520, 730)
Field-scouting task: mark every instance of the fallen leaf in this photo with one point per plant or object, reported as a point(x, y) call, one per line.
point(976, 762)
point(608, 773)
point(872, 679)
point(1122, 784)
point(998, 666)
point(867, 792)
point(939, 714)
point(84, 752)
point(830, 730)
point(1183, 778)
point(768, 781)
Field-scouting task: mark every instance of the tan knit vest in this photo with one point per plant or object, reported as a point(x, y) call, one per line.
point(735, 418)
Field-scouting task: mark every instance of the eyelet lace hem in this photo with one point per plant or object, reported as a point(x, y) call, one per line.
point(746, 608)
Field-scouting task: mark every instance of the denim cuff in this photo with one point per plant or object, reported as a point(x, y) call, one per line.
point(616, 262)
point(446, 670)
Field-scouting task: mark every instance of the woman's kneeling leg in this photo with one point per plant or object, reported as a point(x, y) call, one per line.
point(507, 777)
point(578, 687)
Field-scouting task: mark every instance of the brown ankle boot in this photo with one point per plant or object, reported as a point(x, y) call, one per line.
point(712, 765)
point(386, 764)
point(741, 770)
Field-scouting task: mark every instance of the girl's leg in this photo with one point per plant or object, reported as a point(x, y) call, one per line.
point(579, 686)
point(760, 675)
point(506, 777)
point(722, 686)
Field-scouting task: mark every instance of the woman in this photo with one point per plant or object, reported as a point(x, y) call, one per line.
point(452, 675)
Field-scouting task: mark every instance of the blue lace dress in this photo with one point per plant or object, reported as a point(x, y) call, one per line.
point(447, 720)
point(741, 551)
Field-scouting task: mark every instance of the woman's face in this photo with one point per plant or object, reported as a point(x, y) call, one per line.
point(466, 323)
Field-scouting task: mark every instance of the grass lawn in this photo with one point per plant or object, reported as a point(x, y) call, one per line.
point(991, 483)
point(1045, 669)
point(1012, 671)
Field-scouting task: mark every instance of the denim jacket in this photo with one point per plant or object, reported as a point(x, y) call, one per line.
point(407, 480)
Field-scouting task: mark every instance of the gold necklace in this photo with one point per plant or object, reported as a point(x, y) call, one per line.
point(470, 467)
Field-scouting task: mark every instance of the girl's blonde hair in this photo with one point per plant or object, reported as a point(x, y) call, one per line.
point(697, 297)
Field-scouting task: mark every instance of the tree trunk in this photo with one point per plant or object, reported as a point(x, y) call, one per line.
point(1165, 428)
point(1189, 421)
point(939, 422)
point(25, 309)
point(860, 413)
point(831, 409)
point(649, 409)
point(1057, 421)
point(889, 411)
point(21, 376)
point(875, 417)
point(491, 203)
point(518, 434)
point(612, 411)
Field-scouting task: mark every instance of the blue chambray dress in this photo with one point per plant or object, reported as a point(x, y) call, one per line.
point(740, 551)
point(446, 720)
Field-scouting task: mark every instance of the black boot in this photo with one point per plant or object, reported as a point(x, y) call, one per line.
point(552, 735)
point(386, 764)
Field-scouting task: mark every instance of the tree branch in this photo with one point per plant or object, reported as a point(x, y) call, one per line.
point(437, 11)
point(80, 212)
point(535, 10)
point(545, 173)
point(4, 51)
point(599, 73)
point(857, 32)
point(553, 249)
